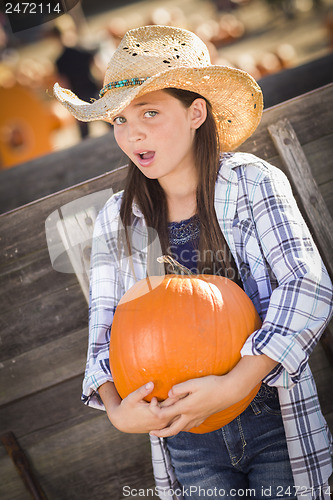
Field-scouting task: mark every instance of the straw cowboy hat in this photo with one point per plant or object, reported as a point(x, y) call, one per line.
point(151, 58)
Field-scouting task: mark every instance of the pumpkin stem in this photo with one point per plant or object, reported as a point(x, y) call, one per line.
point(177, 267)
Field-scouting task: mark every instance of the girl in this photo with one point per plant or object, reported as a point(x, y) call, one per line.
point(178, 118)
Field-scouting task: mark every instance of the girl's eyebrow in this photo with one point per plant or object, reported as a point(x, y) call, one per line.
point(146, 103)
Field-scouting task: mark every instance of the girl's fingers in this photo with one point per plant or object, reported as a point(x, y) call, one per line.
point(141, 393)
point(182, 389)
point(154, 404)
point(174, 428)
point(167, 413)
point(169, 402)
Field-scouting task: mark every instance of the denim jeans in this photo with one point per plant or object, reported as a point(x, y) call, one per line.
point(246, 458)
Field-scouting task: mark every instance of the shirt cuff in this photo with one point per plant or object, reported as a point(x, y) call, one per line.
point(285, 350)
point(91, 383)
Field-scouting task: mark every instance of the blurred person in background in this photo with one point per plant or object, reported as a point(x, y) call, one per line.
point(74, 66)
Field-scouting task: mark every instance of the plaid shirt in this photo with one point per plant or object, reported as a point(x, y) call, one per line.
point(283, 275)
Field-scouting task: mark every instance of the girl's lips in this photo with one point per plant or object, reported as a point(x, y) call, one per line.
point(145, 158)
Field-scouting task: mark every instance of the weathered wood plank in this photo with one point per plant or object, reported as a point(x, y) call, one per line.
point(64, 460)
point(26, 279)
point(290, 150)
point(44, 318)
point(319, 155)
point(11, 488)
point(15, 222)
point(57, 361)
point(327, 193)
point(48, 411)
point(22, 465)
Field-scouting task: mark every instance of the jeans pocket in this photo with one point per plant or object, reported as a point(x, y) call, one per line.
point(267, 400)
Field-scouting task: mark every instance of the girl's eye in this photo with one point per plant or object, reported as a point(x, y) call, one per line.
point(150, 114)
point(119, 120)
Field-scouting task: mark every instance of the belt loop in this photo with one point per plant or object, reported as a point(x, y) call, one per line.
point(255, 408)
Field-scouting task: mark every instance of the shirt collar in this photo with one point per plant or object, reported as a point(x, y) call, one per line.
point(226, 193)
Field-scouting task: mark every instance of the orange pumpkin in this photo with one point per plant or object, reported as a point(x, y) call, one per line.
point(175, 328)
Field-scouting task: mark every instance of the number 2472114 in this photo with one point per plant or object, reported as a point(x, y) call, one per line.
point(33, 8)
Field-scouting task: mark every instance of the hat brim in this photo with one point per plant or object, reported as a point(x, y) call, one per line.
point(235, 96)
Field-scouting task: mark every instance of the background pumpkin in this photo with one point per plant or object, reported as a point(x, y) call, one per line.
point(175, 328)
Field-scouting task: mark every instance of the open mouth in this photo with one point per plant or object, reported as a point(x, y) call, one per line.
point(146, 155)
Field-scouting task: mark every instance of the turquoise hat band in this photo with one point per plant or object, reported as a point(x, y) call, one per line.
point(122, 83)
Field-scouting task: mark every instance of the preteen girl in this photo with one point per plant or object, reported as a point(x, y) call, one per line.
point(178, 119)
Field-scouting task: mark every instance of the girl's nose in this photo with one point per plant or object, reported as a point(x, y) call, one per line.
point(135, 133)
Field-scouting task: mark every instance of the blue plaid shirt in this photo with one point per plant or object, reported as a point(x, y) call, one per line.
point(283, 275)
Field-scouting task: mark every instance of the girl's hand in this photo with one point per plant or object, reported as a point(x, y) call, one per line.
point(133, 414)
point(193, 401)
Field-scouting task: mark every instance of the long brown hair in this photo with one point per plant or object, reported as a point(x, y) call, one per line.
point(149, 195)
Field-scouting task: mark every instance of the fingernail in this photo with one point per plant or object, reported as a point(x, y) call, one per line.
point(149, 386)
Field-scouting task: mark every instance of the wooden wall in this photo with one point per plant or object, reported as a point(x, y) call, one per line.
point(74, 450)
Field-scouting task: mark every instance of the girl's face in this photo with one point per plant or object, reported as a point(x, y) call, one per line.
point(156, 132)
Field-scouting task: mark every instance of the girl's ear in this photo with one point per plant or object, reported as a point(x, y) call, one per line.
point(198, 112)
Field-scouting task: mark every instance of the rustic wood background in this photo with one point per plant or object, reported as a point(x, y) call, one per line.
point(75, 452)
